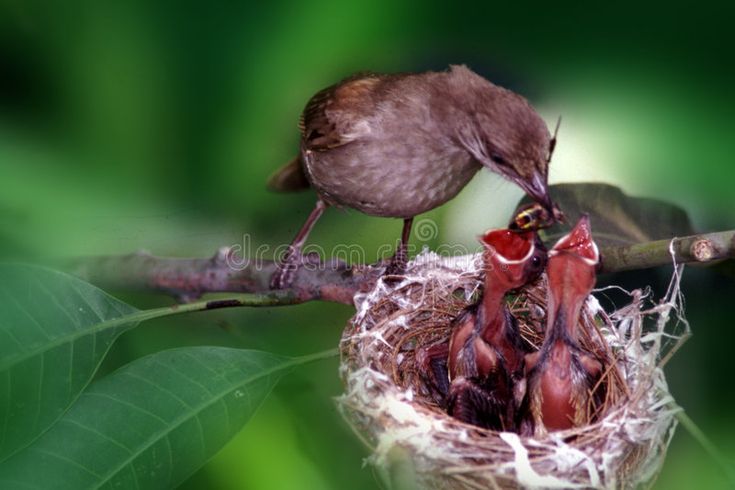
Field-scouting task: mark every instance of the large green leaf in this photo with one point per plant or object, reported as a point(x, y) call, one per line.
point(617, 219)
point(152, 423)
point(54, 332)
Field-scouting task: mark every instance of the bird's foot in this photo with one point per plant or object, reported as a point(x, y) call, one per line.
point(397, 264)
point(287, 267)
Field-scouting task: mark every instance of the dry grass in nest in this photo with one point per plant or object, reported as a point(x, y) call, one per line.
point(390, 407)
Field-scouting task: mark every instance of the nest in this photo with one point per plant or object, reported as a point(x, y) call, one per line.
point(390, 407)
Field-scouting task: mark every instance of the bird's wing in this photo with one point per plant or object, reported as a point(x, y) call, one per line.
point(333, 117)
point(462, 354)
point(338, 114)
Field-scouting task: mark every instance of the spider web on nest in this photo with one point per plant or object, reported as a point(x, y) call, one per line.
point(389, 406)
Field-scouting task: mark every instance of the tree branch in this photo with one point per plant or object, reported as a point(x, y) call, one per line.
point(692, 249)
point(189, 278)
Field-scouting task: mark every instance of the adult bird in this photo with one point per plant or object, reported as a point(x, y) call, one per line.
point(562, 374)
point(486, 352)
point(398, 145)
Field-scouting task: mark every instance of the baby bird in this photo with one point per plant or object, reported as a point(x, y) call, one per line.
point(561, 374)
point(486, 353)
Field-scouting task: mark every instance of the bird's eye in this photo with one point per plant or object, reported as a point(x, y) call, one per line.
point(497, 159)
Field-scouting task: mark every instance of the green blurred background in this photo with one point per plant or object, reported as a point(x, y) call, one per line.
point(154, 125)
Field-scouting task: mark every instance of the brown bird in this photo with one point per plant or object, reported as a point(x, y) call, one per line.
point(486, 352)
point(402, 144)
point(561, 374)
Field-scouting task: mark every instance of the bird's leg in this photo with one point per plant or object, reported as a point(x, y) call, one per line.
point(289, 263)
point(398, 262)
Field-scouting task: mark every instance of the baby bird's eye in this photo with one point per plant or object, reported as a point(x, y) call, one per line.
point(497, 159)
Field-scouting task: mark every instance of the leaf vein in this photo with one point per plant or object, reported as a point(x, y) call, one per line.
point(186, 416)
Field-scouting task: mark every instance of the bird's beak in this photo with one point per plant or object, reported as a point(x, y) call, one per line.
point(510, 247)
point(579, 242)
point(538, 189)
point(571, 270)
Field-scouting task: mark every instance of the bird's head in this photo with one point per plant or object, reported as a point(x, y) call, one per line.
point(511, 258)
point(520, 150)
point(501, 130)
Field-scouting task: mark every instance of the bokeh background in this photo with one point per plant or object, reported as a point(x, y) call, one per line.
point(154, 125)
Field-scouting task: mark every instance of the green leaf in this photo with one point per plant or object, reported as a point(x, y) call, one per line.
point(54, 332)
point(617, 219)
point(152, 423)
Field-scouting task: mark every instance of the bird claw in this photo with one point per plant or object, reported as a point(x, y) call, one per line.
point(285, 273)
point(397, 264)
point(286, 268)
point(292, 260)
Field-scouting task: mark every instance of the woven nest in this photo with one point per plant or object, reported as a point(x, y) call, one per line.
point(390, 407)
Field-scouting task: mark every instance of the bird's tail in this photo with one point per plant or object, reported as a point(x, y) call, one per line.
point(289, 178)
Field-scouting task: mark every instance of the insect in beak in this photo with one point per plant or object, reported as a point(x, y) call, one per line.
point(534, 217)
